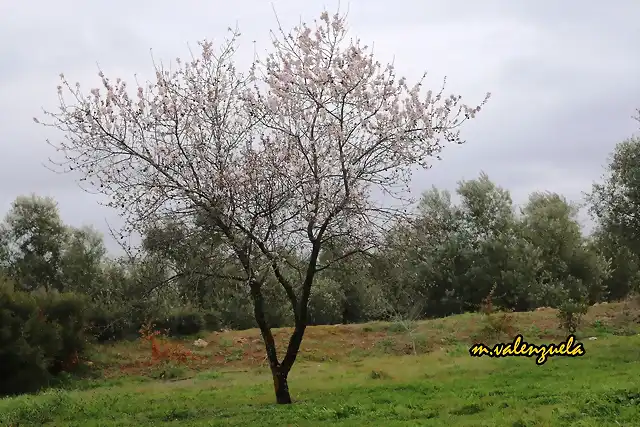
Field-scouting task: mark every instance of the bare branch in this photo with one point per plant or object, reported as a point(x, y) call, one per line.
point(280, 160)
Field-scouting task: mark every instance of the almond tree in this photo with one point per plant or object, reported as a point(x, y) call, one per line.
point(278, 161)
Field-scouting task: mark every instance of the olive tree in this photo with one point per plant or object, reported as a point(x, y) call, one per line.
point(615, 202)
point(279, 160)
point(32, 240)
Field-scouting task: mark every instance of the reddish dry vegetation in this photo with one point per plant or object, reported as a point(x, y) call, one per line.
point(164, 350)
point(242, 349)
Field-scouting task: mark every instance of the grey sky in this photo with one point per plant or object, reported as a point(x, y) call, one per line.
point(564, 77)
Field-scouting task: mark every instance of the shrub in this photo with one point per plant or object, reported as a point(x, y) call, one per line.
point(212, 320)
point(496, 322)
point(108, 324)
point(570, 314)
point(41, 334)
point(237, 314)
point(326, 302)
point(184, 322)
point(277, 307)
point(162, 349)
point(69, 311)
point(119, 320)
point(27, 344)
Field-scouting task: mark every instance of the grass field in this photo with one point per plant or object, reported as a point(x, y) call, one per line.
point(378, 374)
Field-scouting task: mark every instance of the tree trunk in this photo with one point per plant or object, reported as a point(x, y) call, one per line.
point(278, 370)
point(281, 386)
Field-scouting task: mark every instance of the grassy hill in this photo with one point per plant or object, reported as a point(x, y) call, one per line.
point(376, 374)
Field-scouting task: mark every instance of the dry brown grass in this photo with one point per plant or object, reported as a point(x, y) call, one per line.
point(244, 349)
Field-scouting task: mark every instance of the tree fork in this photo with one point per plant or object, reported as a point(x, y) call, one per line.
point(263, 194)
point(279, 371)
point(280, 384)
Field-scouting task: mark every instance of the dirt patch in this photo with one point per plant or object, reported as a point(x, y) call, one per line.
point(244, 349)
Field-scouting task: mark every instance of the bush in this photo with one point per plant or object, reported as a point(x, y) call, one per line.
point(364, 301)
point(27, 344)
point(41, 334)
point(186, 322)
point(496, 322)
point(182, 322)
point(69, 311)
point(108, 324)
point(277, 307)
point(570, 314)
point(326, 302)
point(119, 320)
point(237, 314)
point(212, 320)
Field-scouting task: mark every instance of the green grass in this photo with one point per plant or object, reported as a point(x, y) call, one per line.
point(446, 387)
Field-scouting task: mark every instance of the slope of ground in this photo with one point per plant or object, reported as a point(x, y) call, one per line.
point(387, 374)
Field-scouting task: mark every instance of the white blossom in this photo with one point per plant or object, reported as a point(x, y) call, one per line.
point(286, 155)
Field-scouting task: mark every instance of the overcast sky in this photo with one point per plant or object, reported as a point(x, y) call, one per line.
point(564, 77)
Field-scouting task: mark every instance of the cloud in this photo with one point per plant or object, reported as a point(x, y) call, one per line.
point(563, 77)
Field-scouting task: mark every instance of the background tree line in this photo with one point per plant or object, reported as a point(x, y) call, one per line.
point(444, 260)
point(252, 194)
point(59, 286)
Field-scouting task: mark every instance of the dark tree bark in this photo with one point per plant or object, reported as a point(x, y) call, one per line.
point(279, 371)
point(281, 385)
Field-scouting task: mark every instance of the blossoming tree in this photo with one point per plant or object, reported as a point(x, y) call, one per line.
point(281, 159)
